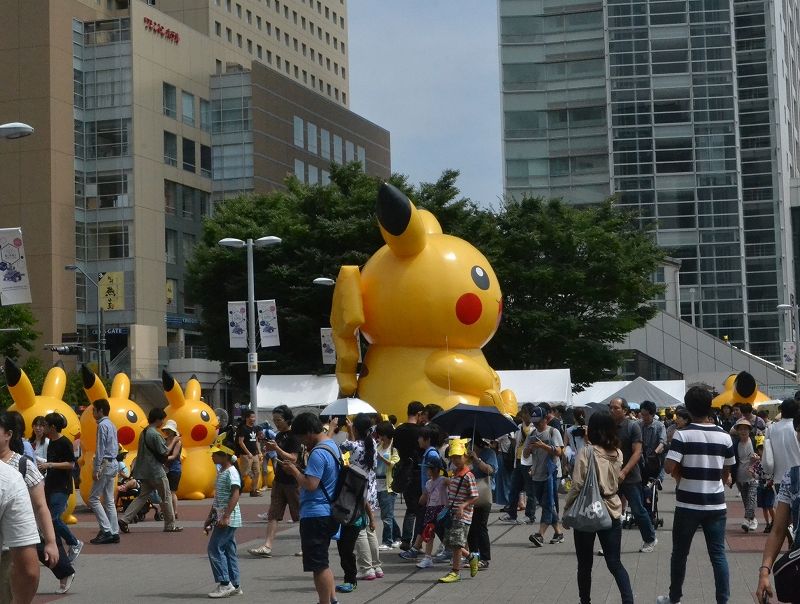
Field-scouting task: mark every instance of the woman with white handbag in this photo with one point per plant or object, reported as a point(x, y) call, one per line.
point(594, 508)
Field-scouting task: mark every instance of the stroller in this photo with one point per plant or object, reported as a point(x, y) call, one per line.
point(651, 485)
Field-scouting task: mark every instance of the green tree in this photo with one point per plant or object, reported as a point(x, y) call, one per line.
point(19, 320)
point(575, 281)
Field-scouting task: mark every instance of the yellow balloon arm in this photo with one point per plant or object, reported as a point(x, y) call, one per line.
point(121, 386)
point(458, 373)
point(347, 315)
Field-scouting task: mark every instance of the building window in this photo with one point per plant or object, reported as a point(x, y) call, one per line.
point(170, 246)
point(107, 138)
point(313, 174)
point(187, 241)
point(259, 51)
point(187, 108)
point(258, 22)
point(229, 34)
point(250, 17)
point(205, 115)
point(228, 5)
point(299, 170)
point(170, 197)
point(250, 46)
point(189, 162)
point(312, 138)
point(205, 161)
point(337, 148)
point(326, 178)
point(239, 40)
point(361, 156)
point(170, 101)
point(170, 149)
point(239, 10)
point(107, 242)
point(325, 143)
point(171, 288)
point(218, 28)
point(344, 98)
point(298, 132)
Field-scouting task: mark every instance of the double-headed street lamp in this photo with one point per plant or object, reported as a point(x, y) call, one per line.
point(15, 130)
point(101, 336)
point(252, 355)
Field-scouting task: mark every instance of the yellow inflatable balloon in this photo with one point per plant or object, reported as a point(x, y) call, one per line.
point(128, 418)
point(197, 424)
point(30, 406)
point(739, 388)
point(427, 303)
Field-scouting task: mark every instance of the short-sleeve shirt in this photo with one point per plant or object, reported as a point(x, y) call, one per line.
point(358, 458)
point(323, 465)
point(458, 492)
point(226, 480)
point(436, 489)
point(32, 474)
point(250, 436)
point(629, 433)
point(17, 522)
point(703, 451)
point(290, 444)
point(59, 481)
point(430, 459)
point(550, 436)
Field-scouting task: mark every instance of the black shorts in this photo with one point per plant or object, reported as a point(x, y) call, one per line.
point(315, 539)
point(174, 479)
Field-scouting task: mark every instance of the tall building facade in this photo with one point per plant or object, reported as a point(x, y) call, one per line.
point(684, 110)
point(136, 139)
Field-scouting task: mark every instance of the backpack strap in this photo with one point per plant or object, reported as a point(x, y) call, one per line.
point(338, 461)
point(23, 466)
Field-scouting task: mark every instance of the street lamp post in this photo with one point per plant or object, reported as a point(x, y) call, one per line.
point(101, 336)
point(15, 130)
point(252, 354)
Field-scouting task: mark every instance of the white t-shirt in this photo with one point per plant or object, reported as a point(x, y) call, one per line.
point(17, 522)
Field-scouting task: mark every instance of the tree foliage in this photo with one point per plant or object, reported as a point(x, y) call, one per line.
point(18, 317)
point(574, 280)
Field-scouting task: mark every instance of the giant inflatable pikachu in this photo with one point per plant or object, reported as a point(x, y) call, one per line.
point(30, 406)
point(197, 424)
point(426, 302)
point(127, 417)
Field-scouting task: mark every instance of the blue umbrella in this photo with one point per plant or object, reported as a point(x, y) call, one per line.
point(465, 419)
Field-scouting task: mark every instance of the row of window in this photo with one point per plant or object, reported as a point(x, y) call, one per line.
point(317, 141)
point(314, 175)
point(185, 201)
point(331, 15)
point(187, 242)
point(189, 113)
point(103, 241)
point(188, 155)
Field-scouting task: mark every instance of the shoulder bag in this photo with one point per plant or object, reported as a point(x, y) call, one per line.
point(444, 519)
point(588, 512)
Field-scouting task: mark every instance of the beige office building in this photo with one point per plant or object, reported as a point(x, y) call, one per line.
point(138, 132)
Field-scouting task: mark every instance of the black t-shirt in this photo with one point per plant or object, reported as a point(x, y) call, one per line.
point(406, 441)
point(59, 481)
point(629, 433)
point(289, 443)
point(250, 436)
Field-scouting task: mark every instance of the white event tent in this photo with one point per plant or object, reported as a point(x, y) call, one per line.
point(603, 391)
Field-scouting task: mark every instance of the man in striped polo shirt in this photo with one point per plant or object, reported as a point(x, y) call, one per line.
point(700, 458)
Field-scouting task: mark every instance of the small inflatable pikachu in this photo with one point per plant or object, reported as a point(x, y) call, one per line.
point(426, 303)
point(739, 388)
point(197, 424)
point(30, 406)
point(128, 418)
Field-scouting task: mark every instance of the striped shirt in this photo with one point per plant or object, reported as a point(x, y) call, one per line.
point(457, 495)
point(226, 479)
point(702, 450)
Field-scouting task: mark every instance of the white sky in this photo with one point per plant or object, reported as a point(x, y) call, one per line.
point(428, 71)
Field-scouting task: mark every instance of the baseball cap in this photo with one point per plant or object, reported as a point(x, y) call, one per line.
point(537, 414)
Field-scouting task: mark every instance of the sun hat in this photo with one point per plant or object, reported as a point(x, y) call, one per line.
point(742, 422)
point(172, 426)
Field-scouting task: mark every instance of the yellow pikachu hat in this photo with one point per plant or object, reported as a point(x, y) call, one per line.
point(458, 446)
point(219, 446)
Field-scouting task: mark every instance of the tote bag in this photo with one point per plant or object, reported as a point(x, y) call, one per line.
point(588, 512)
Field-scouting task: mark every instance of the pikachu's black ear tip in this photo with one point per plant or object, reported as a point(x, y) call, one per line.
point(167, 380)
point(13, 373)
point(393, 209)
point(88, 377)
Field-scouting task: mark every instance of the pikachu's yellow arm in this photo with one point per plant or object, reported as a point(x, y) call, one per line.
point(347, 315)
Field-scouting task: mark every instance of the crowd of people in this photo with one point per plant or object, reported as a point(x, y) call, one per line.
point(448, 484)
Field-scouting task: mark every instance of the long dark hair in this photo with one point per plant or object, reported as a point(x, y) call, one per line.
point(602, 431)
point(38, 420)
point(361, 427)
point(12, 422)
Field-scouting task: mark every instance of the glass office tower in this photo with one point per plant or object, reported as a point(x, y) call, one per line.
point(685, 111)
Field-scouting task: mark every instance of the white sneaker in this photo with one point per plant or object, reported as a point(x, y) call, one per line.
point(222, 591)
point(426, 562)
point(396, 544)
point(237, 591)
point(753, 524)
point(63, 587)
point(385, 547)
point(648, 548)
point(263, 516)
point(367, 576)
point(665, 600)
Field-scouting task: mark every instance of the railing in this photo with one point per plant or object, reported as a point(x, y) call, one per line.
point(188, 351)
point(120, 363)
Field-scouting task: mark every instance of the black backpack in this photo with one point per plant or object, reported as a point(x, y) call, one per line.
point(349, 497)
point(402, 474)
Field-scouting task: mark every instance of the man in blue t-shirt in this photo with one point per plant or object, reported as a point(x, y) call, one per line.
point(317, 488)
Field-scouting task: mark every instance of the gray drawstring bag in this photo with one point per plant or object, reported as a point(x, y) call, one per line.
point(588, 512)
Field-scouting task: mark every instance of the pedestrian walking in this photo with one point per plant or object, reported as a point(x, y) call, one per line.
point(149, 471)
point(19, 534)
point(174, 467)
point(104, 472)
point(743, 475)
point(602, 434)
point(249, 450)
point(630, 476)
point(406, 442)
point(484, 468)
point(780, 438)
point(39, 440)
point(521, 479)
point(700, 456)
point(223, 520)
point(388, 457)
point(317, 484)
point(544, 446)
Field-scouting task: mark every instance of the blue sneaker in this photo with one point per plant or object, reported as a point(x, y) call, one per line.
point(410, 554)
point(346, 588)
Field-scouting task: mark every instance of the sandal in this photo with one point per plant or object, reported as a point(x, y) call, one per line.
point(174, 529)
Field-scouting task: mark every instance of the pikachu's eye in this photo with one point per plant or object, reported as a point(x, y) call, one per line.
point(480, 278)
point(205, 416)
point(132, 417)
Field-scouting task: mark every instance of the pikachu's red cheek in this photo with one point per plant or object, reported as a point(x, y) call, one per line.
point(469, 309)
point(199, 432)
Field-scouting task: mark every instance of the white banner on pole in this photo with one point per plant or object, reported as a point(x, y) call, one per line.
point(268, 323)
point(790, 355)
point(237, 324)
point(328, 347)
point(14, 285)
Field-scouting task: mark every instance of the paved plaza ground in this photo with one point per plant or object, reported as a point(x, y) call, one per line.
point(155, 567)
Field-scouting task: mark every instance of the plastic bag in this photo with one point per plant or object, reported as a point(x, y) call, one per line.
point(588, 512)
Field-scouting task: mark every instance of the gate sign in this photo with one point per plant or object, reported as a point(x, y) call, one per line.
point(14, 285)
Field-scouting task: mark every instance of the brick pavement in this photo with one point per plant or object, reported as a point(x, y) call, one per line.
point(163, 568)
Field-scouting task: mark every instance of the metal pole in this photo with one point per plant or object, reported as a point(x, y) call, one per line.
point(99, 326)
point(102, 341)
point(691, 293)
point(252, 357)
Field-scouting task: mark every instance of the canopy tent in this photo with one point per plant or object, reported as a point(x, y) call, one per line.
point(296, 390)
point(664, 393)
point(539, 385)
